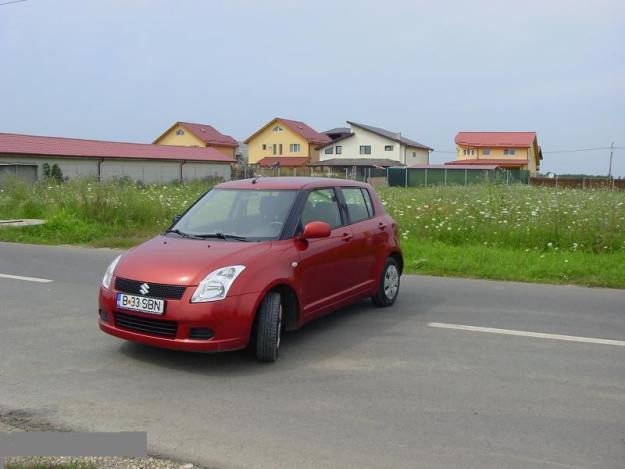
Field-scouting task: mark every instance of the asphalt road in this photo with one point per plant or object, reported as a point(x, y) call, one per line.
point(362, 388)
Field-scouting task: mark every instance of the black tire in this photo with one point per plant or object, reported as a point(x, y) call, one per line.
point(269, 328)
point(389, 284)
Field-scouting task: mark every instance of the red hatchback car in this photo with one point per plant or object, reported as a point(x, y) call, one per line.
point(250, 259)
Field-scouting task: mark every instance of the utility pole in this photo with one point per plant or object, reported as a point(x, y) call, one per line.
point(611, 155)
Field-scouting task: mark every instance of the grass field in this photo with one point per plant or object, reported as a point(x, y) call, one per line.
point(485, 231)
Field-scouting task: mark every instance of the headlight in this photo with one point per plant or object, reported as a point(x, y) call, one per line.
point(106, 281)
point(215, 285)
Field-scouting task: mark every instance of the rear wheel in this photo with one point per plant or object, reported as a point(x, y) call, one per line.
point(269, 327)
point(389, 284)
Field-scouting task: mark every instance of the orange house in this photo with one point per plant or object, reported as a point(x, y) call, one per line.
point(510, 150)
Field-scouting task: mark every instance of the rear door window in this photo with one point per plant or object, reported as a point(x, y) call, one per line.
point(357, 208)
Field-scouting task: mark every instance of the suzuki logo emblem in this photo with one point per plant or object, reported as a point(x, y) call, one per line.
point(144, 289)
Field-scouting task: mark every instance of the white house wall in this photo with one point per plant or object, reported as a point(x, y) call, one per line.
point(416, 156)
point(351, 148)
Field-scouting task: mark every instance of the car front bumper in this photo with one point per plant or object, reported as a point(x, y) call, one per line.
point(230, 321)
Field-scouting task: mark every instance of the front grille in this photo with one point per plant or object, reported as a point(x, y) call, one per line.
point(200, 333)
point(157, 290)
point(150, 326)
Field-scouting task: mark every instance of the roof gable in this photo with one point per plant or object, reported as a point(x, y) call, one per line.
point(300, 128)
point(206, 133)
point(496, 139)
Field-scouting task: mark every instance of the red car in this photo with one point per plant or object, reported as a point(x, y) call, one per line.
point(250, 259)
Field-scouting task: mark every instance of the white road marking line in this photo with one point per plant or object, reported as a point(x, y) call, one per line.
point(539, 335)
point(26, 279)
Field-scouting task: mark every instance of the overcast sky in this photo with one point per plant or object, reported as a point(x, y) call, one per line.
point(127, 69)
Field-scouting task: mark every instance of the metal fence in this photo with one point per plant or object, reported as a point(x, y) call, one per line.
point(353, 173)
point(425, 177)
point(579, 182)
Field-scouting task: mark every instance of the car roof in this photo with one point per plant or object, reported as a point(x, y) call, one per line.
point(288, 183)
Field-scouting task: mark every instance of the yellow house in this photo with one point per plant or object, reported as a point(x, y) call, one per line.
point(285, 142)
point(509, 150)
point(198, 135)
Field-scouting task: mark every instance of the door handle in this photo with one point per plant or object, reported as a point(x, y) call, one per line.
point(347, 236)
point(382, 226)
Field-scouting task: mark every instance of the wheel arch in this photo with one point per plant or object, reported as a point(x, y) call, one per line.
point(399, 258)
point(290, 304)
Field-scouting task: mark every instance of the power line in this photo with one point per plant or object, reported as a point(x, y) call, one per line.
point(13, 1)
point(578, 149)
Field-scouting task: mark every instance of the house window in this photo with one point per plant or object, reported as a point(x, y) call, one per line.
point(414, 154)
point(509, 151)
point(277, 128)
point(339, 150)
point(294, 148)
point(280, 149)
point(486, 151)
point(365, 149)
point(388, 147)
point(275, 148)
point(179, 132)
point(264, 146)
point(329, 151)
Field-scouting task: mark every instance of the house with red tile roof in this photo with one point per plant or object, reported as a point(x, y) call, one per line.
point(104, 160)
point(190, 134)
point(509, 150)
point(286, 143)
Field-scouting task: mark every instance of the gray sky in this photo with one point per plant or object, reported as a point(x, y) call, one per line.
point(126, 69)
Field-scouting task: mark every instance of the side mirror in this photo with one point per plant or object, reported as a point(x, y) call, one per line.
point(316, 229)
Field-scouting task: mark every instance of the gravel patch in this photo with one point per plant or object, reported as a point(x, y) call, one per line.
point(20, 421)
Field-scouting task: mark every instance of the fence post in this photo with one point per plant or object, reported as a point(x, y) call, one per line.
point(445, 177)
point(556, 181)
point(583, 183)
point(426, 177)
point(465, 178)
point(507, 177)
point(405, 177)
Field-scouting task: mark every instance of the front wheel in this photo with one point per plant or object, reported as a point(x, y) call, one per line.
point(389, 284)
point(269, 328)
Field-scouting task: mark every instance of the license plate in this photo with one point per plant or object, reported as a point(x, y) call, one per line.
point(141, 304)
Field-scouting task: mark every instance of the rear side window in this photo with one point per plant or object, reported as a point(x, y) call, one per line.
point(322, 205)
point(356, 202)
point(367, 197)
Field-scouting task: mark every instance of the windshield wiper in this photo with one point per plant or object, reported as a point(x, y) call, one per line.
point(181, 233)
point(223, 236)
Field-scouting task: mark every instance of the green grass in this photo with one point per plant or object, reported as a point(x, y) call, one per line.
point(484, 231)
point(94, 214)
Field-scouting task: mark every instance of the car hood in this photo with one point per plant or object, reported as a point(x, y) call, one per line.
point(180, 261)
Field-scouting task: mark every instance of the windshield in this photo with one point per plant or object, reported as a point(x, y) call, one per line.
point(237, 214)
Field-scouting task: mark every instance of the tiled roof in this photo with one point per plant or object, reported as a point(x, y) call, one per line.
point(284, 161)
point(489, 162)
point(395, 136)
point(496, 139)
point(299, 128)
point(17, 144)
point(338, 130)
point(305, 131)
point(208, 134)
